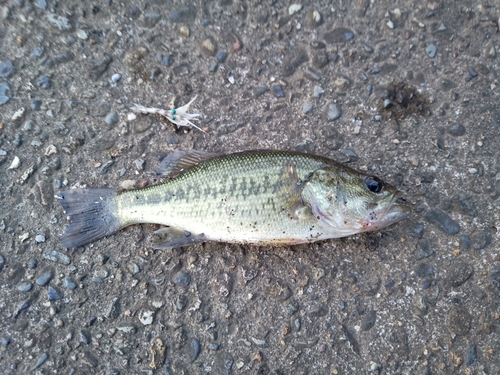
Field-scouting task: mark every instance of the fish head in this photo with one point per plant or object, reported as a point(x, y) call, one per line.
point(346, 201)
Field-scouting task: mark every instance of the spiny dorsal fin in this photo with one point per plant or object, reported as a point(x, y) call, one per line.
point(180, 160)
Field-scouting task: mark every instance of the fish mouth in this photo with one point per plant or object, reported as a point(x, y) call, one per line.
point(396, 210)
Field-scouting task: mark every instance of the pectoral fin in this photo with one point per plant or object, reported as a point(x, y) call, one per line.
point(170, 238)
point(293, 189)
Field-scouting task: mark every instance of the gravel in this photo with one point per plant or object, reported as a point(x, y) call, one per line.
point(443, 222)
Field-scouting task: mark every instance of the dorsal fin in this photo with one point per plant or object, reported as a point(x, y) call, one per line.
point(180, 160)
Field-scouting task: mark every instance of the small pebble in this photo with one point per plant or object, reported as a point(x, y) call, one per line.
point(68, 283)
point(213, 67)
point(16, 162)
point(139, 164)
point(471, 356)
point(57, 257)
point(427, 284)
point(116, 77)
point(481, 239)
point(5, 341)
point(22, 306)
point(294, 8)
point(350, 154)
point(369, 321)
point(104, 168)
point(459, 273)
point(182, 278)
point(32, 264)
point(134, 268)
point(37, 52)
point(390, 283)
point(134, 12)
point(258, 91)
point(24, 287)
point(424, 270)
point(146, 317)
point(166, 60)
point(36, 104)
point(111, 118)
point(291, 309)
point(443, 222)
point(41, 360)
point(221, 56)
point(85, 337)
point(457, 130)
point(195, 349)
point(44, 278)
point(277, 91)
point(375, 70)
point(318, 91)
point(44, 82)
point(4, 87)
point(431, 50)
point(208, 47)
point(415, 230)
point(82, 34)
point(307, 146)
point(42, 4)
point(52, 294)
point(349, 35)
point(40, 238)
point(472, 72)
point(213, 346)
point(306, 108)
point(6, 69)
point(184, 31)
point(334, 112)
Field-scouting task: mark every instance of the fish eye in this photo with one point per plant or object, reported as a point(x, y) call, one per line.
point(374, 184)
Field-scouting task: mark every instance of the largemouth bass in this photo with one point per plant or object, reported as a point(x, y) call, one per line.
point(254, 197)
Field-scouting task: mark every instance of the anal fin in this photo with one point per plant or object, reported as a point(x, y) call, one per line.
point(170, 238)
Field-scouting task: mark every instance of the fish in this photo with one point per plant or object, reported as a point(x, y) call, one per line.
point(257, 197)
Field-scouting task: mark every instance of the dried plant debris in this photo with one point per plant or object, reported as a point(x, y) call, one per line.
point(178, 116)
point(401, 99)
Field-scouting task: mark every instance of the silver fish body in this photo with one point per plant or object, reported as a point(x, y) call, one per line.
point(255, 197)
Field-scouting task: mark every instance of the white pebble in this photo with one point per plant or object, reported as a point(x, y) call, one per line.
point(15, 163)
point(116, 77)
point(18, 114)
point(472, 170)
point(50, 150)
point(131, 116)
point(40, 238)
point(294, 8)
point(390, 24)
point(146, 317)
point(231, 80)
point(316, 16)
point(82, 35)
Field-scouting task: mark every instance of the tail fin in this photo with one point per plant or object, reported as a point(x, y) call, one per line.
point(92, 214)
